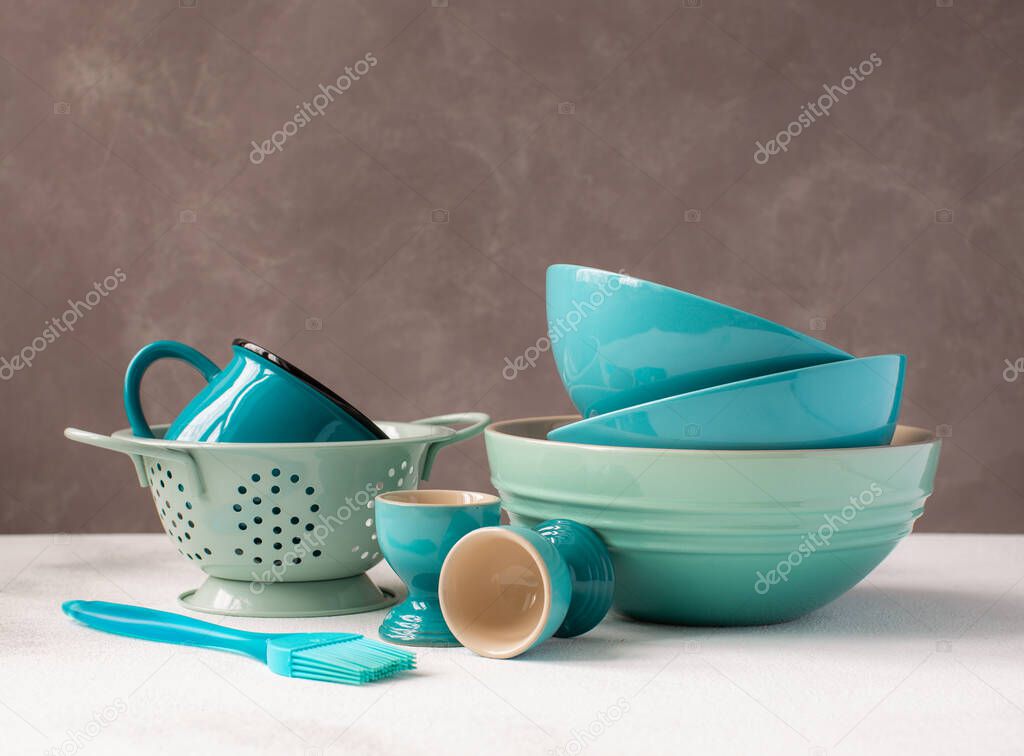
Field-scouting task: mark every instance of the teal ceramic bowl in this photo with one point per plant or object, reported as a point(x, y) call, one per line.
point(838, 405)
point(619, 341)
point(702, 537)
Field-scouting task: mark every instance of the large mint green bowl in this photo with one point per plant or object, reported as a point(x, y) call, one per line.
point(703, 537)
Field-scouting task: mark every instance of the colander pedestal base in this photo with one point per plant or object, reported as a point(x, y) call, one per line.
point(314, 598)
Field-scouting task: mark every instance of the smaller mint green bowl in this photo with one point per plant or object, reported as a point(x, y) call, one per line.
point(702, 537)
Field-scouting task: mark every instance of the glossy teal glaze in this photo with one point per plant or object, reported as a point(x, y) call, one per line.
point(590, 570)
point(252, 400)
point(504, 590)
point(620, 341)
point(844, 404)
point(415, 538)
point(559, 578)
point(703, 537)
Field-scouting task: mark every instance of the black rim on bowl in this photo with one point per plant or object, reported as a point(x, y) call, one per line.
point(313, 383)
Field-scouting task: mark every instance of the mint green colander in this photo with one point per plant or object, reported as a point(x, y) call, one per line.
point(283, 530)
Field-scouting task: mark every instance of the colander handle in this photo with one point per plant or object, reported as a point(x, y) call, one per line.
point(137, 451)
point(475, 423)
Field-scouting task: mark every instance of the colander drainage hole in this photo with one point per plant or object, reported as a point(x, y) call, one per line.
point(275, 489)
point(309, 526)
point(296, 560)
point(310, 490)
point(255, 478)
point(294, 478)
point(258, 520)
point(276, 510)
point(277, 530)
point(277, 562)
point(241, 489)
point(188, 505)
point(294, 521)
point(207, 551)
point(296, 540)
point(237, 507)
point(317, 552)
point(169, 475)
point(239, 552)
point(181, 488)
point(257, 500)
point(315, 508)
point(275, 472)
point(257, 541)
point(277, 546)
point(257, 560)
point(242, 526)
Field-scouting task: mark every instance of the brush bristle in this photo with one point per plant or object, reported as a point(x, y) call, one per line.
point(352, 661)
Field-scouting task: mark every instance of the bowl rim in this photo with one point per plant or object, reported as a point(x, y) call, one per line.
point(921, 437)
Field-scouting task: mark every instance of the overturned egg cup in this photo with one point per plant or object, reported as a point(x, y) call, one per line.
point(505, 590)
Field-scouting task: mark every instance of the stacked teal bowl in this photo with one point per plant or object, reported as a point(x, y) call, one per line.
point(740, 473)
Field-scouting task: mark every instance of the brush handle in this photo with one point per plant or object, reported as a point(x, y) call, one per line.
point(165, 627)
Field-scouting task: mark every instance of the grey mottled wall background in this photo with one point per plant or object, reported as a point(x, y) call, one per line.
point(395, 246)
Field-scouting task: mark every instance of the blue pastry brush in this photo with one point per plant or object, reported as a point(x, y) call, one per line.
point(329, 657)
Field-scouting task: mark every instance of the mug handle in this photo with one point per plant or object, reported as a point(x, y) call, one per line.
point(475, 423)
point(146, 356)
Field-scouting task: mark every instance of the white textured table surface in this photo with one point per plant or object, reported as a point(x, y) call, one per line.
point(925, 656)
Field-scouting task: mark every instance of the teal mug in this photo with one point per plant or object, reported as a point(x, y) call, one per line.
point(258, 397)
point(505, 590)
point(416, 530)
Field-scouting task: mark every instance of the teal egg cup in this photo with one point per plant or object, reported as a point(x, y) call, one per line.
point(505, 590)
point(416, 530)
